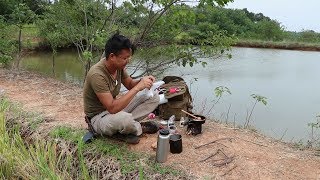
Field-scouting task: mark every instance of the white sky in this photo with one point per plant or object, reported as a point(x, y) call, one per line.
point(293, 14)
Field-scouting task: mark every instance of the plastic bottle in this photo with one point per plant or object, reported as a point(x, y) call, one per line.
point(156, 85)
point(171, 120)
point(163, 146)
point(181, 123)
point(162, 99)
point(171, 125)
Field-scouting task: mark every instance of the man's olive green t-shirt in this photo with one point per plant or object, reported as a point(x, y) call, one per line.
point(99, 80)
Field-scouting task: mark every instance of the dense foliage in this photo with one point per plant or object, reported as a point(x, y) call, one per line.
point(7, 45)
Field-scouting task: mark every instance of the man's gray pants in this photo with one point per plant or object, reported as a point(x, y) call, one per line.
point(126, 121)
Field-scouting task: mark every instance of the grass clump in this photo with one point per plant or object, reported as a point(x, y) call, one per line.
point(67, 133)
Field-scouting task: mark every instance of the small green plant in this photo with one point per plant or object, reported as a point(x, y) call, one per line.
point(314, 125)
point(4, 104)
point(141, 174)
point(83, 168)
point(67, 133)
point(35, 122)
point(299, 145)
point(219, 92)
point(257, 98)
point(164, 169)
point(61, 132)
point(118, 151)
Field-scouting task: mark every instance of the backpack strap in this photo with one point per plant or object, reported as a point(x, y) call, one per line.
point(90, 127)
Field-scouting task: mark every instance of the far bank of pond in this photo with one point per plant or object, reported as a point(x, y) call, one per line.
point(38, 45)
point(301, 46)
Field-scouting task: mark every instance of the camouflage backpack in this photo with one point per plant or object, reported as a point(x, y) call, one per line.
point(178, 100)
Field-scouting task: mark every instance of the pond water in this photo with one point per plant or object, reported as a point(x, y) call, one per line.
point(288, 79)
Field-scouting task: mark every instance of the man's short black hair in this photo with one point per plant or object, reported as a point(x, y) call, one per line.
point(117, 43)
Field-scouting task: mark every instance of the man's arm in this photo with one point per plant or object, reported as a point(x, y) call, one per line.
point(116, 105)
point(130, 83)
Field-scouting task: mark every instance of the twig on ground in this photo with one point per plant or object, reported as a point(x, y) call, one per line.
point(225, 162)
point(210, 156)
point(41, 105)
point(223, 153)
point(226, 159)
point(227, 172)
point(253, 142)
point(221, 144)
point(213, 142)
point(215, 160)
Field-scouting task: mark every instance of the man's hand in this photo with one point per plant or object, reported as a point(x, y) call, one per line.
point(145, 82)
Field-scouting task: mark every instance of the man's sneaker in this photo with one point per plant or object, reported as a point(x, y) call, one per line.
point(149, 127)
point(128, 138)
point(88, 137)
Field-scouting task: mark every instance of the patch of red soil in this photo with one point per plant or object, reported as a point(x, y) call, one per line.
point(55, 100)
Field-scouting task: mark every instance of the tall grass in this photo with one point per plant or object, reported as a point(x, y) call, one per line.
point(39, 160)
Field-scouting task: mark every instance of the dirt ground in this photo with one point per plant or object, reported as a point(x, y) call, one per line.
point(251, 155)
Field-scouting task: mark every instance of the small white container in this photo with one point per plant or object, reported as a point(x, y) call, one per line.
point(162, 99)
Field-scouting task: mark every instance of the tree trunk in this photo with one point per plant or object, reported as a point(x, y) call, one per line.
point(19, 40)
point(87, 68)
point(53, 64)
point(19, 50)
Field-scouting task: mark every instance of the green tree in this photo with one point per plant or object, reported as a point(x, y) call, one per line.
point(6, 44)
point(37, 6)
point(269, 30)
point(162, 22)
point(309, 36)
point(85, 24)
point(8, 6)
point(255, 17)
point(20, 16)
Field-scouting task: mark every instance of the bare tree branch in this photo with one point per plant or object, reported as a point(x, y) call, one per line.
point(152, 20)
point(108, 17)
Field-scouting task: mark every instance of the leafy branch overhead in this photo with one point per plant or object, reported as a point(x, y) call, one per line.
point(87, 25)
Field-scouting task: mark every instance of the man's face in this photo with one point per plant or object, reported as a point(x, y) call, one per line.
point(122, 59)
